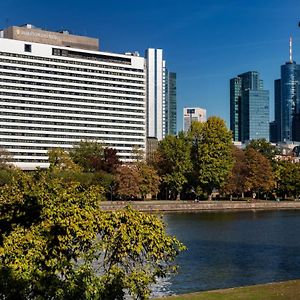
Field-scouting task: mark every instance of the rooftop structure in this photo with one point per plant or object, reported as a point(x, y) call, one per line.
point(30, 33)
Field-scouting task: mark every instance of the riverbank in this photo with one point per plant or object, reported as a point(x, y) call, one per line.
point(182, 206)
point(288, 290)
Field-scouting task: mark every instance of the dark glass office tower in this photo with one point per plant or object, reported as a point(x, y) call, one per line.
point(235, 104)
point(277, 122)
point(290, 101)
point(296, 116)
point(171, 104)
point(249, 107)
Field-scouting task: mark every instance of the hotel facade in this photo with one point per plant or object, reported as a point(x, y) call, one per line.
point(57, 89)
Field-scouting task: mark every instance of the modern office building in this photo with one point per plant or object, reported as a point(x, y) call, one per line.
point(193, 114)
point(249, 107)
point(287, 101)
point(57, 89)
point(235, 107)
point(161, 96)
point(273, 132)
point(276, 127)
point(155, 93)
point(171, 104)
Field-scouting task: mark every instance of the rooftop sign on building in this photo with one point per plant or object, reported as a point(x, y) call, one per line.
point(32, 34)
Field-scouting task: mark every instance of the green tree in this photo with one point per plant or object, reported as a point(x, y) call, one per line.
point(211, 154)
point(127, 181)
point(266, 149)
point(60, 160)
point(173, 162)
point(99, 164)
point(289, 179)
point(5, 159)
point(63, 167)
point(138, 249)
point(88, 155)
point(260, 178)
point(149, 179)
point(7, 169)
point(110, 161)
point(56, 243)
point(236, 181)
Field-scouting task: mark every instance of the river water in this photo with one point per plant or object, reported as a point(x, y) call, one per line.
point(228, 249)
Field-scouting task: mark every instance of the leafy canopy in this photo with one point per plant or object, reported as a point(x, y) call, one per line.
point(211, 153)
point(56, 243)
point(174, 161)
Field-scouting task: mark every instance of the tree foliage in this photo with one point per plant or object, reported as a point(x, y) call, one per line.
point(236, 182)
point(127, 181)
point(136, 180)
point(56, 243)
point(289, 179)
point(88, 155)
point(211, 153)
point(5, 159)
point(88, 162)
point(60, 160)
point(110, 161)
point(138, 249)
point(149, 179)
point(260, 177)
point(173, 161)
point(94, 157)
point(266, 149)
point(7, 170)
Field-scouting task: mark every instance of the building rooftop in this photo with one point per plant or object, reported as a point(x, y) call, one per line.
point(63, 38)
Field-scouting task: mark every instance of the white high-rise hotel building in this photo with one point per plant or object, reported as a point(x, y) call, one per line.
point(57, 89)
point(60, 89)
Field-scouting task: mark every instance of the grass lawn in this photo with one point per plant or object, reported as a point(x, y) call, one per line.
point(288, 290)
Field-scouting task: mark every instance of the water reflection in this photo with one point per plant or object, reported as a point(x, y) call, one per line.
point(233, 249)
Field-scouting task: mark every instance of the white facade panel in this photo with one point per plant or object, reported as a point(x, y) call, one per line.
point(159, 94)
point(155, 93)
point(55, 96)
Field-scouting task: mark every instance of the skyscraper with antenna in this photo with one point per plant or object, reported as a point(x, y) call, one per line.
point(287, 100)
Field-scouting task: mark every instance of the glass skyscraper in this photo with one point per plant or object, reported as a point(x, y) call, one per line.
point(287, 102)
point(249, 107)
point(235, 103)
point(171, 104)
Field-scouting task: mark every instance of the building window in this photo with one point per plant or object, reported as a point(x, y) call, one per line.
point(27, 48)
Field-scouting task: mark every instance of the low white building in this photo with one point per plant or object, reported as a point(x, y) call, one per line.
point(193, 114)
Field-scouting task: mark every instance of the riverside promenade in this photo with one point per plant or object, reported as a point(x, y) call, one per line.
point(191, 206)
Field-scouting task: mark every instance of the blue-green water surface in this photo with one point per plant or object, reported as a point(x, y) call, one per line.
point(228, 249)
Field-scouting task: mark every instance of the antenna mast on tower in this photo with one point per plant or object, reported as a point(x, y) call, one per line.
point(291, 49)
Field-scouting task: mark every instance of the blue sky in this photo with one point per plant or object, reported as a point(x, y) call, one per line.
point(206, 42)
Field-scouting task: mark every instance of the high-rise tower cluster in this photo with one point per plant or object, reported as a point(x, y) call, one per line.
point(57, 89)
point(286, 127)
point(249, 107)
